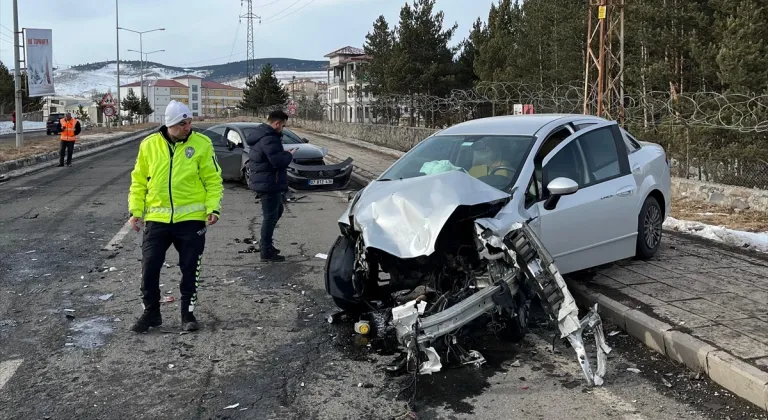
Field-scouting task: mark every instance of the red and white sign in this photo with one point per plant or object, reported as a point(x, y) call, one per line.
point(292, 107)
point(109, 111)
point(107, 100)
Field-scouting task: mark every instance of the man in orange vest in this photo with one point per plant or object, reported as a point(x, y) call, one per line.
point(70, 128)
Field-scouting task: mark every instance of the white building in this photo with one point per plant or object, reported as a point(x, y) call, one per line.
point(204, 98)
point(346, 100)
point(63, 104)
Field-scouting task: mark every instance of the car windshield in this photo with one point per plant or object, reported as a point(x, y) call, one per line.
point(493, 159)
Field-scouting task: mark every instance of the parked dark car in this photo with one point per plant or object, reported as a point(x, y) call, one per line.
point(53, 124)
point(308, 171)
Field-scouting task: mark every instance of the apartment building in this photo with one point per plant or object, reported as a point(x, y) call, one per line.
point(346, 100)
point(204, 98)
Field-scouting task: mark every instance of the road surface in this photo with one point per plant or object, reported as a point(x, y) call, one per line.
point(66, 305)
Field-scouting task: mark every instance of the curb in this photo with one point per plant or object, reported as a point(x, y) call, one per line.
point(25, 166)
point(733, 374)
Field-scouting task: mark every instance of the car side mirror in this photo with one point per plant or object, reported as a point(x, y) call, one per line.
point(230, 145)
point(559, 187)
point(304, 139)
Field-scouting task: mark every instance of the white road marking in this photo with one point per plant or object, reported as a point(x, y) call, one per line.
point(7, 369)
point(115, 241)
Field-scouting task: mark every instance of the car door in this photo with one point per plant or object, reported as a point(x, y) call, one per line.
point(598, 223)
point(228, 157)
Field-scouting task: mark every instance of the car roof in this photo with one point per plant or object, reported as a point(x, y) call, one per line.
point(522, 125)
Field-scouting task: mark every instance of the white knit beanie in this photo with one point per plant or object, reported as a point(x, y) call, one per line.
point(176, 112)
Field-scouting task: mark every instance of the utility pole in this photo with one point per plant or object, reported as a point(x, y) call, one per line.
point(17, 77)
point(604, 67)
point(250, 66)
point(117, 34)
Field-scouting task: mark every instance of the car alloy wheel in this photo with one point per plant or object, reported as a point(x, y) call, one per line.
point(652, 227)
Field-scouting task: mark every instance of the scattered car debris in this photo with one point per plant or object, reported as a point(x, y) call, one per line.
point(106, 297)
point(453, 267)
point(229, 407)
point(633, 370)
point(321, 256)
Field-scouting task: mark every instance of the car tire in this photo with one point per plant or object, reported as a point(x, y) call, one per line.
point(246, 175)
point(649, 229)
point(47, 132)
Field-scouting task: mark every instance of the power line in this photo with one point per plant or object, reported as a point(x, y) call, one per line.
point(291, 14)
point(281, 12)
point(237, 32)
point(270, 3)
point(209, 60)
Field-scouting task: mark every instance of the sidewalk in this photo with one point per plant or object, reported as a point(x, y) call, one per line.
point(697, 303)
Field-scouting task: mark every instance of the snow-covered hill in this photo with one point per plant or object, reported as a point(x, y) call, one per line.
point(73, 82)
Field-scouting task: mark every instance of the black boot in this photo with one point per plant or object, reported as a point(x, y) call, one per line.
point(271, 256)
point(150, 318)
point(188, 321)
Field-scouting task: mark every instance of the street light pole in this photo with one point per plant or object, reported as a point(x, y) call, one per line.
point(141, 48)
point(117, 32)
point(17, 77)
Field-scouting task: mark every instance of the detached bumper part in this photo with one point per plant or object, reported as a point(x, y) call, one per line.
point(320, 177)
point(540, 269)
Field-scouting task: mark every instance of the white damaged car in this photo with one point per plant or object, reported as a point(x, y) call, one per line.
point(481, 217)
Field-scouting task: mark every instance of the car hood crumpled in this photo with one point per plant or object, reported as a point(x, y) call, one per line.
point(405, 217)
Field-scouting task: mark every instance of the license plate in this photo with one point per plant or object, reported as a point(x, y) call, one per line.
point(320, 182)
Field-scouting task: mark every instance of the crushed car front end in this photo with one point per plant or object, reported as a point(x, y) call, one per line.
point(455, 264)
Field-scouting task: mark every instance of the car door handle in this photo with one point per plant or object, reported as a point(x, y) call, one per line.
point(625, 192)
point(636, 169)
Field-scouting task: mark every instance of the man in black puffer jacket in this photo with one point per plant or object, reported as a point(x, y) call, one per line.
point(268, 163)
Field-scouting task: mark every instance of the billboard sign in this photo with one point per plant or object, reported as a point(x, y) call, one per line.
point(39, 50)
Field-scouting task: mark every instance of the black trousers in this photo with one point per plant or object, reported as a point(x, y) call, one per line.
point(271, 211)
point(69, 147)
point(189, 240)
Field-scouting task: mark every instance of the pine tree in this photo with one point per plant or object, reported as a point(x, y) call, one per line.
point(268, 86)
point(82, 114)
point(251, 98)
point(743, 56)
point(145, 108)
point(131, 103)
point(379, 45)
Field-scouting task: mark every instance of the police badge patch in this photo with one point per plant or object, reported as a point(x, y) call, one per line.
point(189, 152)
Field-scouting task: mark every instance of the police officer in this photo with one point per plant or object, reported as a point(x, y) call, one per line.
point(176, 187)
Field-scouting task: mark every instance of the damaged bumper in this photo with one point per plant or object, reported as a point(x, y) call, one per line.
point(320, 177)
point(527, 261)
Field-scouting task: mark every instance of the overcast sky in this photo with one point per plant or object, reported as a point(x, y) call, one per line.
point(203, 32)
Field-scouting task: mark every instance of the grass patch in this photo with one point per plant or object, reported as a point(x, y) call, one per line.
point(712, 214)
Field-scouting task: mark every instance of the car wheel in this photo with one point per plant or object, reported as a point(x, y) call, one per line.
point(246, 175)
point(47, 132)
point(649, 229)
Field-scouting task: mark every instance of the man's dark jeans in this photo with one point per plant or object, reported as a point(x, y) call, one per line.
point(271, 211)
point(68, 147)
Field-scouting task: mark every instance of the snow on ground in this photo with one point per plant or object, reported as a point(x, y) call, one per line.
point(6, 127)
point(748, 240)
point(71, 82)
point(79, 82)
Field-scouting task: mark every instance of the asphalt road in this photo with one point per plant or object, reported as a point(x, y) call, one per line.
point(66, 306)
